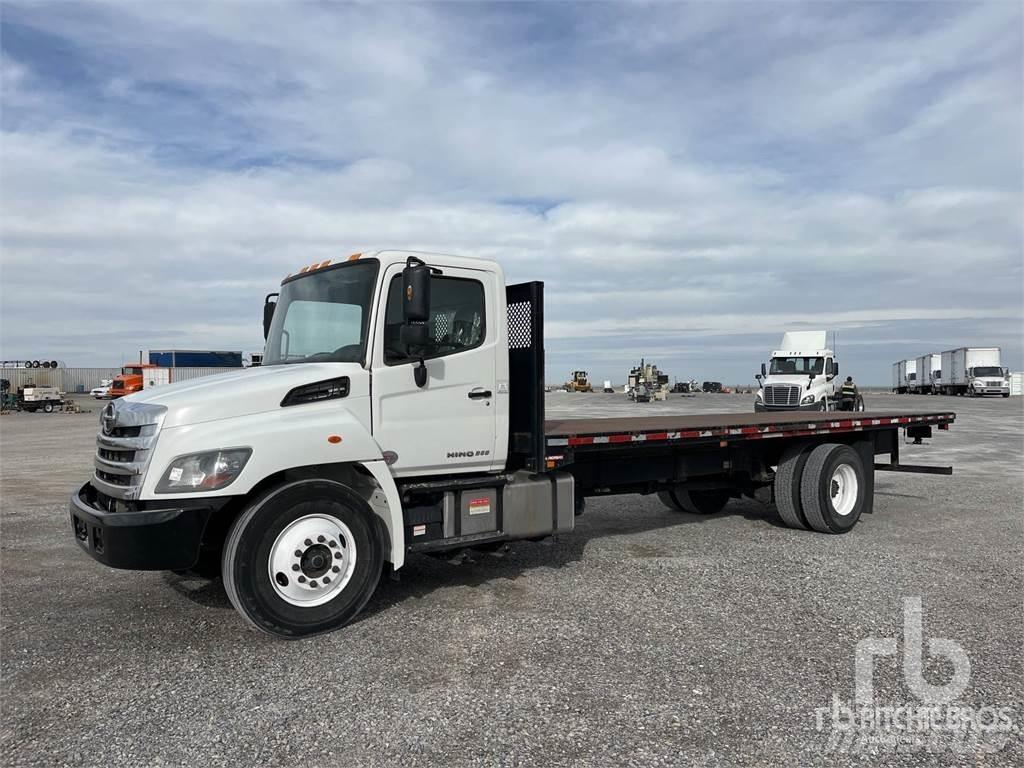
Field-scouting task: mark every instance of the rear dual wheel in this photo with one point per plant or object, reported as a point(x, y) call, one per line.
point(302, 559)
point(823, 488)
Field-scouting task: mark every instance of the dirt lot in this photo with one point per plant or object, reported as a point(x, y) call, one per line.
point(647, 637)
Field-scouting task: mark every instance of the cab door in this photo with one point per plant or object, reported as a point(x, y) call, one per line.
point(449, 424)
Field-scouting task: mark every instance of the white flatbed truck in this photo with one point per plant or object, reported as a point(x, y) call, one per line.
point(400, 409)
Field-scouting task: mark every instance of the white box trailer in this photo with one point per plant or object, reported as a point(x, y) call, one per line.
point(974, 371)
point(1017, 383)
point(928, 369)
point(904, 376)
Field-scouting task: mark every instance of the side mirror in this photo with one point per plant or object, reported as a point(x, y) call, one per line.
point(835, 368)
point(812, 376)
point(758, 376)
point(763, 370)
point(415, 332)
point(268, 313)
point(415, 291)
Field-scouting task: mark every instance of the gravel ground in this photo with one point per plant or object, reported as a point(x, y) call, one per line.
point(647, 637)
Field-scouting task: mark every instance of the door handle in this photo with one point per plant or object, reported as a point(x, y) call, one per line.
point(479, 394)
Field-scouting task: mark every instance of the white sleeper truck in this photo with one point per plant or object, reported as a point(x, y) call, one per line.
point(803, 376)
point(400, 409)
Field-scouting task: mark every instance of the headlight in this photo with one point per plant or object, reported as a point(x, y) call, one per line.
point(208, 471)
point(808, 399)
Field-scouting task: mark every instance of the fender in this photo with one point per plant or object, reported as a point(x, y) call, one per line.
point(282, 439)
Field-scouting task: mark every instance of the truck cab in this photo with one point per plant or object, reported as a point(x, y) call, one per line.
point(384, 401)
point(129, 381)
point(801, 375)
point(988, 380)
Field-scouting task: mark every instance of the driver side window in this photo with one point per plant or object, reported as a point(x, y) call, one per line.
point(456, 318)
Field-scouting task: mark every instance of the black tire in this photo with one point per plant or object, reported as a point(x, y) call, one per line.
point(246, 556)
point(788, 477)
point(818, 484)
point(48, 408)
point(1006, 394)
point(703, 502)
point(822, 406)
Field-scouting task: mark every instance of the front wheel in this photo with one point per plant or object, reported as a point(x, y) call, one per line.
point(302, 559)
point(48, 408)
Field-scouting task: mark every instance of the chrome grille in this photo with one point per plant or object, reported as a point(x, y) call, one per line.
point(782, 394)
point(124, 446)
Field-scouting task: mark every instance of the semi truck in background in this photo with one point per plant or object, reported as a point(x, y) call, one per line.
point(300, 483)
point(136, 377)
point(803, 375)
point(974, 371)
point(904, 376)
point(928, 370)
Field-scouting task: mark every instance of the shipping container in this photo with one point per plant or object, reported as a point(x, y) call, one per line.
point(194, 358)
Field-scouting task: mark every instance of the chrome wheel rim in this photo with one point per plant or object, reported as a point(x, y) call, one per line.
point(312, 560)
point(843, 489)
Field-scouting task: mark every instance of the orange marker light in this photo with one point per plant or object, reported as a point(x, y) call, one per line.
point(354, 256)
point(334, 439)
point(324, 263)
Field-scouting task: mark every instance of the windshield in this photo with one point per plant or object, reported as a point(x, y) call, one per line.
point(988, 370)
point(782, 366)
point(323, 317)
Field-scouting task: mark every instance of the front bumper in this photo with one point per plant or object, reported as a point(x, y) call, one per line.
point(760, 407)
point(991, 390)
point(165, 539)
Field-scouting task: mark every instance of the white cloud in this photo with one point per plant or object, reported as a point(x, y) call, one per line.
point(728, 176)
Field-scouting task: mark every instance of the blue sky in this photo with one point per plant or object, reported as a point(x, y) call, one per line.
point(689, 179)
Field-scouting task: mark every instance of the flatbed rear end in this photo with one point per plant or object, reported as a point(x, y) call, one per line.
point(696, 463)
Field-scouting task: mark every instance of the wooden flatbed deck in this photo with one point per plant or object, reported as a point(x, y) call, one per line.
point(583, 432)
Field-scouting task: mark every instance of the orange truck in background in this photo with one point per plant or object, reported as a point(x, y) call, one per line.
point(129, 380)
